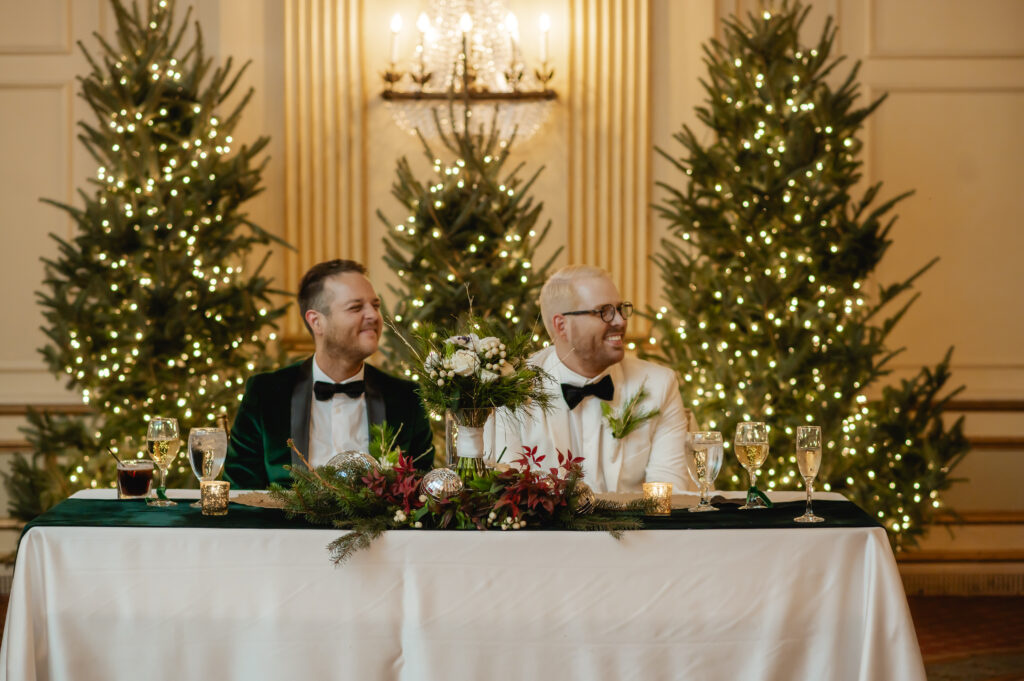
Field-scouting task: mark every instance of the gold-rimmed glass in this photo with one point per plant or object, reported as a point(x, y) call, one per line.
point(751, 443)
point(162, 443)
point(703, 461)
point(808, 459)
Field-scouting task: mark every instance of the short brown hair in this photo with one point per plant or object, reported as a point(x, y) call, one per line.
point(311, 288)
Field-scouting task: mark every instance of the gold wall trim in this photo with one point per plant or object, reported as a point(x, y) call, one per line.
point(985, 405)
point(22, 409)
point(610, 142)
point(325, 133)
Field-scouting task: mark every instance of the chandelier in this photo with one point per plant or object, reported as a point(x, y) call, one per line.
point(468, 54)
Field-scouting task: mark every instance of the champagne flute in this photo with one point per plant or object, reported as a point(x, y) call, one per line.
point(162, 443)
point(704, 460)
point(751, 450)
point(808, 458)
point(207, 448)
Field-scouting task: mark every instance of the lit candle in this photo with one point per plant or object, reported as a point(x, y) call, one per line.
point(213, 496)
point(545, 28)
point(513, 35)
point(423, 25)
point(661, 493)
point(396, 26)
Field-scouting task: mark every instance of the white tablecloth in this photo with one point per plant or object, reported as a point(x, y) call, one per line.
point(144, 603)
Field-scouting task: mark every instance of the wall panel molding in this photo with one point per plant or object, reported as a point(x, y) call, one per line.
point(610, 142)
point(876, 51)
point(325, 133)
point(59, 22)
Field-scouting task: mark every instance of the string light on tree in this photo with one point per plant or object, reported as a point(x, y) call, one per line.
point(762, 274)
point(136, 321)
point(470, 237)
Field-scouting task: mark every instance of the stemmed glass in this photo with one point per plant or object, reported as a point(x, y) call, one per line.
point(808, 458)
point(751, 450)
point(704, 460)
point(207, 448)
point(162, 443)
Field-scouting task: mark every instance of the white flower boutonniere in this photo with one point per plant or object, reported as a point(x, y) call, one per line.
point(629, 417)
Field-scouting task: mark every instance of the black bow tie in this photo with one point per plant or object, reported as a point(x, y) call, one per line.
point(603, 389)
point(325, 391)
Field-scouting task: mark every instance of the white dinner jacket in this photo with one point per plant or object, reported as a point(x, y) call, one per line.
point(654, 452)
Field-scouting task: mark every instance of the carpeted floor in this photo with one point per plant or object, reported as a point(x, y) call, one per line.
point(977, 638)
point(962, 638)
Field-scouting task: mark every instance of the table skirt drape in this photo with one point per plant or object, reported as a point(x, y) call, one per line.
point(184, 603)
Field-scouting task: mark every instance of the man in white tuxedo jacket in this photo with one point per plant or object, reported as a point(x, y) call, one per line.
point(586, 318)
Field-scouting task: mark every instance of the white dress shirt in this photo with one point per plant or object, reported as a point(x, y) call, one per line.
point(585, 423)
point(337, 424)
point(652, 452)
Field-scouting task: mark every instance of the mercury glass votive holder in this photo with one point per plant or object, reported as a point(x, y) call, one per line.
point(661, 493)
point(213, 495)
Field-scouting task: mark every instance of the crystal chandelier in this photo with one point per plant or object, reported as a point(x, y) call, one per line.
point(468, 51)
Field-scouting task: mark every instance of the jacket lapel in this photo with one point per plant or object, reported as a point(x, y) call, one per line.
point(612, 448)
point(301, 405)
point(556, 422)
point(375, 409)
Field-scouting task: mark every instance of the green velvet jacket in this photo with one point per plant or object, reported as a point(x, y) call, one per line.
point(276, 406)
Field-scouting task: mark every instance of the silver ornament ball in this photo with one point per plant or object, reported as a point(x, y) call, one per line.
point(441, 484)
point(585, 498)
point(352, 465)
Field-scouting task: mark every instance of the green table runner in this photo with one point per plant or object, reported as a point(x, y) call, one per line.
point(113, 513)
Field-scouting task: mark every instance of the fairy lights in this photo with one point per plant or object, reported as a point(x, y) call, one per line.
point(771, 320)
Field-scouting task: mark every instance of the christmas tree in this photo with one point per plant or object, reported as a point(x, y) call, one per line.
point(151, 308)
point(768, 315)
point(468, 241)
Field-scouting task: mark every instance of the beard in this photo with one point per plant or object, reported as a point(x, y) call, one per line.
point(355, 345)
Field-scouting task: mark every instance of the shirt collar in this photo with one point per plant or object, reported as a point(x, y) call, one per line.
point(564, 374)
point(319, 375)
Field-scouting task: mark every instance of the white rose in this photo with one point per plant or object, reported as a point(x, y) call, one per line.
point(433, 360)
point(488, 376)
point(464, 362)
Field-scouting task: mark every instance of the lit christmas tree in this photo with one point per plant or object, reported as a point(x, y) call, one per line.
point(151, 308)
point(767, 316)
point(470, 234)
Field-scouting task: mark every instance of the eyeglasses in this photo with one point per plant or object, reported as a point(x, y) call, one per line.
point(607, 312)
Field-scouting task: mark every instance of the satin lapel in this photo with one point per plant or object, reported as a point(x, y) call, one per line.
point(375, 409)
point(613, 448)
point(302, 404)
point(556, 422)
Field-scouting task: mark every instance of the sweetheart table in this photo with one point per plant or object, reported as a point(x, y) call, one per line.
point(112, 590)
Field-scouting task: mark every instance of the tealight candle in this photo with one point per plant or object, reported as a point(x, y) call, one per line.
point(214, 496)
point(661, 493)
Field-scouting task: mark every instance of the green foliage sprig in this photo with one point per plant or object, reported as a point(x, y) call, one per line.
point(629, 418)
point(511, 498)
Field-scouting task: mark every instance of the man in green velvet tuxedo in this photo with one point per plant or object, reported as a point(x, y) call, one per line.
point(326, 403)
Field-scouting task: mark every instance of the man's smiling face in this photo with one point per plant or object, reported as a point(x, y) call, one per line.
point(591, 345)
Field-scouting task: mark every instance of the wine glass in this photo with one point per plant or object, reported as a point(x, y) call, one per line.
point(704, 460)
point(207, 448)
point(751, 450)
point(808, 458)
point(162, 443)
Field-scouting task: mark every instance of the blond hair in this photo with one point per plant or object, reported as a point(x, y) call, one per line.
point(559, 292)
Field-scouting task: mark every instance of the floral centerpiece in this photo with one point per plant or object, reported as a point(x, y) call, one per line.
point(392, 496)
point(467, 377)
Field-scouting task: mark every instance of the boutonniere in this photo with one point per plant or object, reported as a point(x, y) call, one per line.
point(629, 417)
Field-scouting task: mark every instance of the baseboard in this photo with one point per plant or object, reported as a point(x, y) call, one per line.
point(963, 579)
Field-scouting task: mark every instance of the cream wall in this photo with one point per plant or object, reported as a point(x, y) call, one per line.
point(950, 130)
